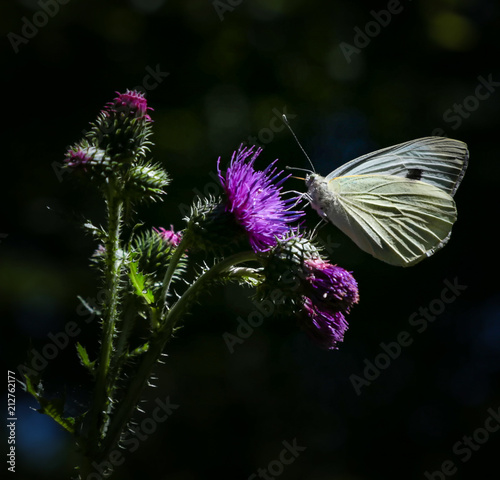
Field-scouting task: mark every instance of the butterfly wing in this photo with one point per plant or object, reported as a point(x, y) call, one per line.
point(436, 161)
point(397, 220)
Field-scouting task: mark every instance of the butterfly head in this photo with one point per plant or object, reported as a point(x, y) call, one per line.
point(318, 194)
point(312, 179)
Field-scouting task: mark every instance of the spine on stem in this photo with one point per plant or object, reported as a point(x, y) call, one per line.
point(103, 392)
point(124, 412)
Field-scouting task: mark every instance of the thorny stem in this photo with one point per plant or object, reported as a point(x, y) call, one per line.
point(244, 272)
point(103, 389)
point(84, 467)
point(123, 413)
point(128, 317)
point(178, 252)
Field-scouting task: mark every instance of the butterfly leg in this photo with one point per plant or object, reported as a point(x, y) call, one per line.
point(316, 228)
point(301, 196)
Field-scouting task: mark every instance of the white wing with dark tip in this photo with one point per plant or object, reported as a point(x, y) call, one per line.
point(437, 161)
point(396, 220)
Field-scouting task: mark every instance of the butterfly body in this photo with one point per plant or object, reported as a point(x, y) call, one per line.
point(397, 203)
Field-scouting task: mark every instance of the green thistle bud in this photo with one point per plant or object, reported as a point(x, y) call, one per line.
point(119, 136)
point(284, 269)
point(318, 293)
point(211, 228)
point(145, 182)
point(115, 147)
point(124, 139)
point(154, 251)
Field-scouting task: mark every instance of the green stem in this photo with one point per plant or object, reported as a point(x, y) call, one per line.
point(178, 252)
point(180, 306)
point(139, 380)
point(84, 468)
point(103, 388)
point(128, 319)
point(244, 272)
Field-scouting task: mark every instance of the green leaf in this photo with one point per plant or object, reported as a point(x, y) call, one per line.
point(51, 407)
point(139, 350)
point(138, 281)
point(90, 308)
point(97, 232)
point(84, 358)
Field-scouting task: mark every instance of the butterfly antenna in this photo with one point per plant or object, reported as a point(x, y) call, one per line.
point(297, 140)
point(297, 168)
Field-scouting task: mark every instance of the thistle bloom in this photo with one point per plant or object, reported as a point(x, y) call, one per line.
point(255, 201)
point(81, 156)
point(326, 328)
point(123, 128)
point(328, 294)
point(169, 236)
point(330, 284)
point(132, 103)
point(318, 293)
point(119, 136)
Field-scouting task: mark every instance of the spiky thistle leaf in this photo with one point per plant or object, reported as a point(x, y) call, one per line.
point(84, 358)
point(51, 407)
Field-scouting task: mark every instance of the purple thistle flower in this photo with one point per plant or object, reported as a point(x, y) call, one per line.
point(329, 293)
point(331, 285)
point(169, 236)
point(255, 201)
point(325, 327)
point(82, 156)
point(132, 103)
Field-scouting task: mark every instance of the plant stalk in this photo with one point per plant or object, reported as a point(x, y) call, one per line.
point(124, 412)
point(103, 388)
point(172, 265)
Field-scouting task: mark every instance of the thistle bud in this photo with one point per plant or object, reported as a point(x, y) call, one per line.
point(155, 251)
point(123, 128)
point(318, 293)
point(210, 228)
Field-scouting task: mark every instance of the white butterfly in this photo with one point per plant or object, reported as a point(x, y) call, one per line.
point(396, 203)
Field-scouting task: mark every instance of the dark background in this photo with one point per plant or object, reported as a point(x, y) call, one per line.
point(227, 79)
